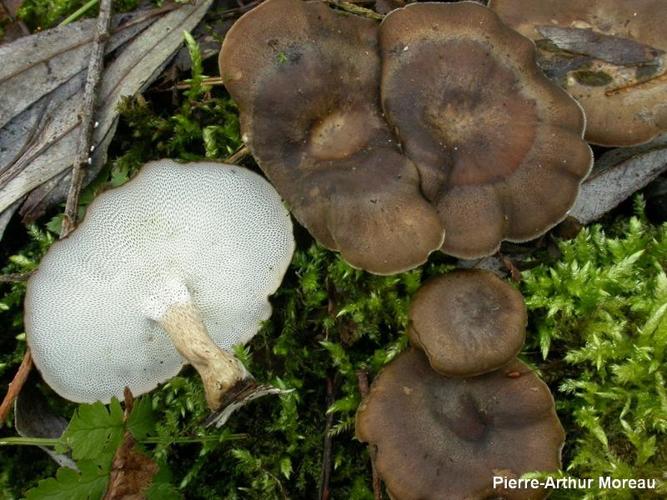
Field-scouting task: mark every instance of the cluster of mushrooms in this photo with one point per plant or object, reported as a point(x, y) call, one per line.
point(458, 408)
point(433, 130)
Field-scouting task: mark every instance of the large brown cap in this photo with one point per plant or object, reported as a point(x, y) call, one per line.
point(498, 146)
point(440, 437)
point(468, 322)
point(306, 82)
point(608, 54)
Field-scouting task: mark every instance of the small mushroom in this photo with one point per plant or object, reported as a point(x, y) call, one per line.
point(305, 79)
point(498, 146)
point(174, 267)
point(468, 322)
point(439, 437)
point(608, 54)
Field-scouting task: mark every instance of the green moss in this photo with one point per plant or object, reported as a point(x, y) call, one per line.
point(599, 315)
point(597, 333)
point(44, 14)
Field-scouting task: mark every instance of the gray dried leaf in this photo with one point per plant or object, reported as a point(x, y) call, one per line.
point(50, 152)
point(612, 49)
point(33, 418)
point(35, 65)
point(616, 176)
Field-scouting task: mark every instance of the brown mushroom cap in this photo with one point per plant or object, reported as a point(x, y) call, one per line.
point(615, 118)
point(468, 322)
point(306, 82)
point(498, 146)
point(440, 437)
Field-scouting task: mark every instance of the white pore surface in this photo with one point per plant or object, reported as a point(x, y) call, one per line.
point(215, 234)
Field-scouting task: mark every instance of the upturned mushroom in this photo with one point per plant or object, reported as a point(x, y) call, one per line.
point(306, 80)
point(498, 146)
point(609, 54)
point(439, 437)
point(468, 322)
point(174, 267)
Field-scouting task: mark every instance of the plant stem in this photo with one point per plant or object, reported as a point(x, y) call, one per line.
point(29, 441)
point(74, 16)
point(52, 442)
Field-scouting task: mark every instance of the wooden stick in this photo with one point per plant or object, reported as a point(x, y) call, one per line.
point(238, 155)
point(362, 382)
point(87, 124)
point(16, 385)
point(15, 277)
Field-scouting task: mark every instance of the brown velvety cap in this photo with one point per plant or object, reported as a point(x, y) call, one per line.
point(440, 437)
point(498, 146)
point(623, 94)
point(306, 82)
point(468, 322)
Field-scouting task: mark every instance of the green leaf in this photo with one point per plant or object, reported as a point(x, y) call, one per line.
point(94, 430)
point(88, 484)
point(141, 422)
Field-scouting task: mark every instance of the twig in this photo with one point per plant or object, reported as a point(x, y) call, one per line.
point(211, 80)
point(362, 382)
point(241, 9)
point(356, 9)
point(632, 86)
point(15, 277)
point(238, 155)
point(16, 385)
point(85, 146)
point(82, 157)
point(325, 477)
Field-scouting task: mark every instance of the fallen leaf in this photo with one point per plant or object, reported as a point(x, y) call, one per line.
point(49, 153)
point(612, 49)
point(33, 418)
point(616, 176)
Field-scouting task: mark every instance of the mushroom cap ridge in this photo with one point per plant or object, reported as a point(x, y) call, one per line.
point(468, 322)
point(440, 437)
point(306, 80)
point(499, 147)
point(215, 234)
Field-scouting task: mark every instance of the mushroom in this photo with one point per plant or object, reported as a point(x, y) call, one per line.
point(498, 146)
point(174, 267)
point(468, 322)
point(608, 54)
point(439, 437)
point(305, 79)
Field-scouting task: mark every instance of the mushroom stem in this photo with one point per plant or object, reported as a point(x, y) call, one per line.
point(222, 374)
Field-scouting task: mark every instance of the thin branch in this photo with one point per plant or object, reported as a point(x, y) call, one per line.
point(15, 277)
point(627, 88)
point(325, 477)
point(15, 386)
point(241, 9)
point(362, 382)
point(238, 155)
point(356, 9)
point(85, 145)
